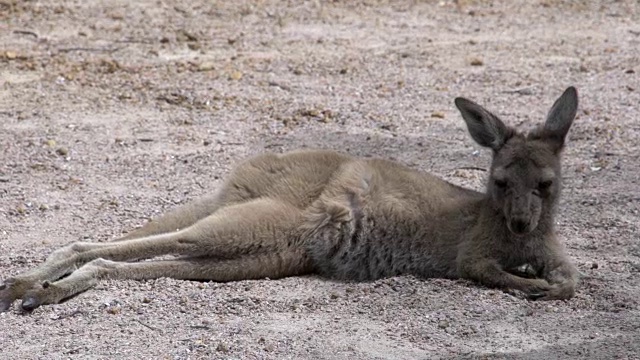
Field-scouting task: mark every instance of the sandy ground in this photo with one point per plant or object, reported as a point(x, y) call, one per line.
point(112, 112)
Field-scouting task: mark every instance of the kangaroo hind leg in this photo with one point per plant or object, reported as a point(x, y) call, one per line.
point(67, 259)
point(257, 227)
point(237, 189)
point(276, 265)
point(179, 218)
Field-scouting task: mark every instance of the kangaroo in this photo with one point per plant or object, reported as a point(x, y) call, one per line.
point(341, 217)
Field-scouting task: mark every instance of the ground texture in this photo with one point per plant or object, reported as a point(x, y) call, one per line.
point(112, 112)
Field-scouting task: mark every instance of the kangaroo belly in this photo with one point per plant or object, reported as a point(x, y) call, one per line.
point(352, 234)
point(339, 247)
point(345, 243)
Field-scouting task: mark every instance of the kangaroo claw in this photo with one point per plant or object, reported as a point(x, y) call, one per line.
point(535, 296)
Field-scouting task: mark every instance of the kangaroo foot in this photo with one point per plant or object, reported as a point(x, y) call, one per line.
point(11, 290)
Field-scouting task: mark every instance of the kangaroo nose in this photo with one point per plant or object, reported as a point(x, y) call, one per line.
point(519, 226)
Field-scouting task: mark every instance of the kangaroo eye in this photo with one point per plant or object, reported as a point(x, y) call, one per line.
point(500, 183)
point(544, 185)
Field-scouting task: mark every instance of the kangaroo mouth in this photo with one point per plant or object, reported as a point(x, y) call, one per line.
point(519, 227)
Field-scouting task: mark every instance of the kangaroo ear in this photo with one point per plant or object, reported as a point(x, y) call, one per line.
point(485, 128)
point(560, 118)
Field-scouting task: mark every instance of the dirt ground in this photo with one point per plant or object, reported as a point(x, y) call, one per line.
point(112, 112)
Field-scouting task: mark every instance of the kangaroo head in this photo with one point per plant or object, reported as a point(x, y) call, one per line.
point(524, 182)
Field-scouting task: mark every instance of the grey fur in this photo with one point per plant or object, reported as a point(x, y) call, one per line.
point(348, 218)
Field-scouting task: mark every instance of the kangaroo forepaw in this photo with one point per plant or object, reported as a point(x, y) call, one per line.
point(561, 291)
point(531, 288)
point(525, 270)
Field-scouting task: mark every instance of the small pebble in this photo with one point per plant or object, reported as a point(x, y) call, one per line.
point(114, 310)
point(206, 66)
point(476, 62)
point(223, 348)
point(236, 75)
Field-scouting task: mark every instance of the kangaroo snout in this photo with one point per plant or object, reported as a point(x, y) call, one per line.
point(520, 226)
point(521, 214)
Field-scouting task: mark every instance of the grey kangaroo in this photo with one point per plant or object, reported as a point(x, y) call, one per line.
point(326, 213)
